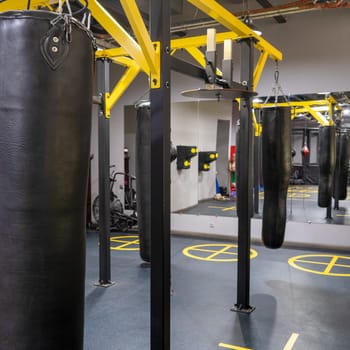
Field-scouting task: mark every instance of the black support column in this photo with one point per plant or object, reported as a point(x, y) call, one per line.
point(245, 185)
point(103, 67)
point(160, 183)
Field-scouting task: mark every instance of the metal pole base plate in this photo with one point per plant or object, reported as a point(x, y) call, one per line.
point(243, 309)
point(104, 284)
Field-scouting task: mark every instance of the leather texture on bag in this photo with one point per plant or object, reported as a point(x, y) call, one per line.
point(341, 171)
point(326, 153)
point(276, 165)
point(143, 180)
point(45, 118)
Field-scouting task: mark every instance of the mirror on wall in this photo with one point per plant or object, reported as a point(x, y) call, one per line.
point(212, 126)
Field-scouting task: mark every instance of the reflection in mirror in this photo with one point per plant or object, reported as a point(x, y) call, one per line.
point(212, 125)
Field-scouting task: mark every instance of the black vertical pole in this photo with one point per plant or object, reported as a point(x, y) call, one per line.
point(245, 188)
point(103, 176)
point(160, 183)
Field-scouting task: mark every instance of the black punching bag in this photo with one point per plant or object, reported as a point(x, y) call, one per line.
point(326, 153)
point(341, 171)
point(143, 180)
point(276, 161)
point(45, 118)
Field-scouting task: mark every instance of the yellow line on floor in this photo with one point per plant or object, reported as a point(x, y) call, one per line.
point(293, 338)
point(233, 347)
point(331, 265)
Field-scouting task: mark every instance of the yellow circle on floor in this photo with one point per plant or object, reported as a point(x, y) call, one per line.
point(218, 252)
point(322, 264)
point(125, 243)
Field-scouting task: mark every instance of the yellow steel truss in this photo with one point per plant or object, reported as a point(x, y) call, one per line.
point(141, 54)
point(313, 107)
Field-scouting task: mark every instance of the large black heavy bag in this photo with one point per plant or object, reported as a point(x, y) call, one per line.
point(45, 118)
point(143, 180)
point(276, 165)
point(326, 153)
point(340, 181)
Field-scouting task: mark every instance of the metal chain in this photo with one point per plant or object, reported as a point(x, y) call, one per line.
point(68, 20)
point(277, 88)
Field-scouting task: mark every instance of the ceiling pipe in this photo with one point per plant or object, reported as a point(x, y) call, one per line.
point(286, 9)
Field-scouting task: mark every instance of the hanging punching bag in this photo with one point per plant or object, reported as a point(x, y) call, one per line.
point(276, 160)
point(326, 152)
point(45, 116)
point(143, 180)
point(341, 171)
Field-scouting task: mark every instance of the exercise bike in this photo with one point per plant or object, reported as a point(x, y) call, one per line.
point(122, 219)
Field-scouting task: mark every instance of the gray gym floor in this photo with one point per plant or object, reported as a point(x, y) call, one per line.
point(305, 307)
point(301, 207)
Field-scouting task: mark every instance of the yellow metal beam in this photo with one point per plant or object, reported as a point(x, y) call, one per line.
point(259, 68)
point(142, 36)
point(175, 44)
point(122, 85)
point(201, 40)
point(318, 116)
point(231, 22)
point(123, 61)
point(313, 107)
point(199, 56)
point(118, 33)
point(292, 104)
point(110, 53)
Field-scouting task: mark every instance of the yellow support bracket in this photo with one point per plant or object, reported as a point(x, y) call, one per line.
point(199, 56)
point(155, 77)
point(260, 65)
point(214, 10)
point(257, 126)
point(118, 33)
point(122, 85)
point(106, 109)
point(138, 26)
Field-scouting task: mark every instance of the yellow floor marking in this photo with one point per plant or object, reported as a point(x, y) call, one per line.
point(233, 347)
point(222, 208)
point(298, 195)
point(125, 242)
point(329, 265)
point(212, 251)
point(343, 215)
point(222, 251)
point(293, 338)
point(215, 250)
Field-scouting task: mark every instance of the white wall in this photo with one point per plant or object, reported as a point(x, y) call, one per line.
point(315, 49)
point(195, 124)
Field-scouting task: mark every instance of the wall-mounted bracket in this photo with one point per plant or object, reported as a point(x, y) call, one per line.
point(205, 158)
point(184, 155)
